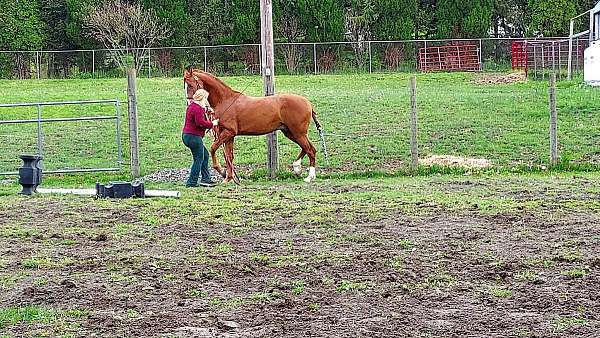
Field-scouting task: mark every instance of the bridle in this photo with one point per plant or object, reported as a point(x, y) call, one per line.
point(197, 87)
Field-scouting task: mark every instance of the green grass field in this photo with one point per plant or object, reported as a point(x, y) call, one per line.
point(489, 253)
point(365, 117)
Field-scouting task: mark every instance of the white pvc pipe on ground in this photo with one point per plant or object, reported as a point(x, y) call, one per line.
point(86, 192)
point(162, 193)
point(92, 192)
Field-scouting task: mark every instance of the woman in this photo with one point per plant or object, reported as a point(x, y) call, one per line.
point(194, 129)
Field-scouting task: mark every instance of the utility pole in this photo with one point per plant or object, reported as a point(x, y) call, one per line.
point(268, 73)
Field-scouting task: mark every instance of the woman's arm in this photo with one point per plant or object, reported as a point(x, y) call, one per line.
point(199, 117)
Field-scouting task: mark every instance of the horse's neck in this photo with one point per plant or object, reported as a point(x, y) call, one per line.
point(219, 92)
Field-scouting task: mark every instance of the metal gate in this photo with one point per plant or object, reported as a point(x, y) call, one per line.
point(460, 57)
point(40, 120)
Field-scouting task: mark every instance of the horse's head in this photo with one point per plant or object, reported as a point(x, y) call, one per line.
point(192, 82)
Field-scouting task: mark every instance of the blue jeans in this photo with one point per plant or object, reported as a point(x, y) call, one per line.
point(200, 156)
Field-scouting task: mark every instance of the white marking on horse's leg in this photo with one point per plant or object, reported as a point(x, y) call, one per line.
point(297, 165)
point(312, 174)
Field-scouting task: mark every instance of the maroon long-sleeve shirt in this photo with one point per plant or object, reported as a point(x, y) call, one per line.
point(195, 120)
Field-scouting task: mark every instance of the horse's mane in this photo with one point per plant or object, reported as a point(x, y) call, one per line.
point(216, 79)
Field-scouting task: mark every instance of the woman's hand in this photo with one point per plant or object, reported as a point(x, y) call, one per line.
point(215, 122)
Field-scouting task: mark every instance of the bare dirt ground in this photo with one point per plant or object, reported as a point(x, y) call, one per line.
point(403, 257)
point(501, 78)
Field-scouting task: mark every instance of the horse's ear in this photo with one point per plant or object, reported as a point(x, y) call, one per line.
point(186, 74)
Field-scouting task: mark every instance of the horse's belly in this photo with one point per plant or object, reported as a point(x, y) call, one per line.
point(258, 130)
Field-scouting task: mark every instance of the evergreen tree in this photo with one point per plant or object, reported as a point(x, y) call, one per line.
point(463, 18)
point(76, 34)
point(322, 20)
point(209, 22)
point(21, 26)
point(551, 17)
point(395, 19)
point(425, 24)
point(286, 21)
point(509, 18)
point(246, 21)
point(54, 14)
point(173, 13)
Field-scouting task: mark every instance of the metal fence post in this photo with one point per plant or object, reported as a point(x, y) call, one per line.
point(315, 56)
point(480, 55)
point(570, 62)
point(559, 59)
point(577, 56)
point(553, 59)
point(370, 59)
point(39, 131)
point(119, 146)
point(149, 64)
point(553, 121)
point(93, 63)
point(424, 53)
point(414, 148)
point(543, 62)
point(37, 65)
point(260, 61)
point(205, 60)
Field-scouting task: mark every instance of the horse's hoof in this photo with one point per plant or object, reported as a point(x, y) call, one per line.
point(236, 180)
point(311, 175)
point(297, 167)
point(223, 173)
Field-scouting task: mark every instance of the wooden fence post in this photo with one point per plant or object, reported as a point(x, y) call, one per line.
point(553, 120)
point(414, 148)
point(133, 122)
point(268, 72)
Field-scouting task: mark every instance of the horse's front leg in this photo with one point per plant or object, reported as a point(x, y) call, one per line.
point(229, 161)
point(215, 161)
point(223, 137)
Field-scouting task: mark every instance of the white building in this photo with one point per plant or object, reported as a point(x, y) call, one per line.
point(591, 68)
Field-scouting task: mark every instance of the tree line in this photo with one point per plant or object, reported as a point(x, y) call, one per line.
point(61, 24)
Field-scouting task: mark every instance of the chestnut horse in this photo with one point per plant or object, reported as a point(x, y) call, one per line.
point(239, 114)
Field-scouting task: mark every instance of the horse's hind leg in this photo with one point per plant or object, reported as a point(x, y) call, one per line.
point(297, 164)
point(310, 150)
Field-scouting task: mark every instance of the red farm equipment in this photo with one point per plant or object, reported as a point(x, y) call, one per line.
point(461, 57)
point(520, 56)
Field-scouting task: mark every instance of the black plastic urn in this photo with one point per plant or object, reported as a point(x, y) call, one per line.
point(30, 174)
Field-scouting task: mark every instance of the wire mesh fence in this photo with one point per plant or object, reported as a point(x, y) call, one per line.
point(495, 117)
point(290, 58)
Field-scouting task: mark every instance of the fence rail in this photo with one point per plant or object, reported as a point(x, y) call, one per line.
point(290, 58)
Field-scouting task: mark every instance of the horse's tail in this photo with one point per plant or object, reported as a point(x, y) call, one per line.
point(321, 135)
